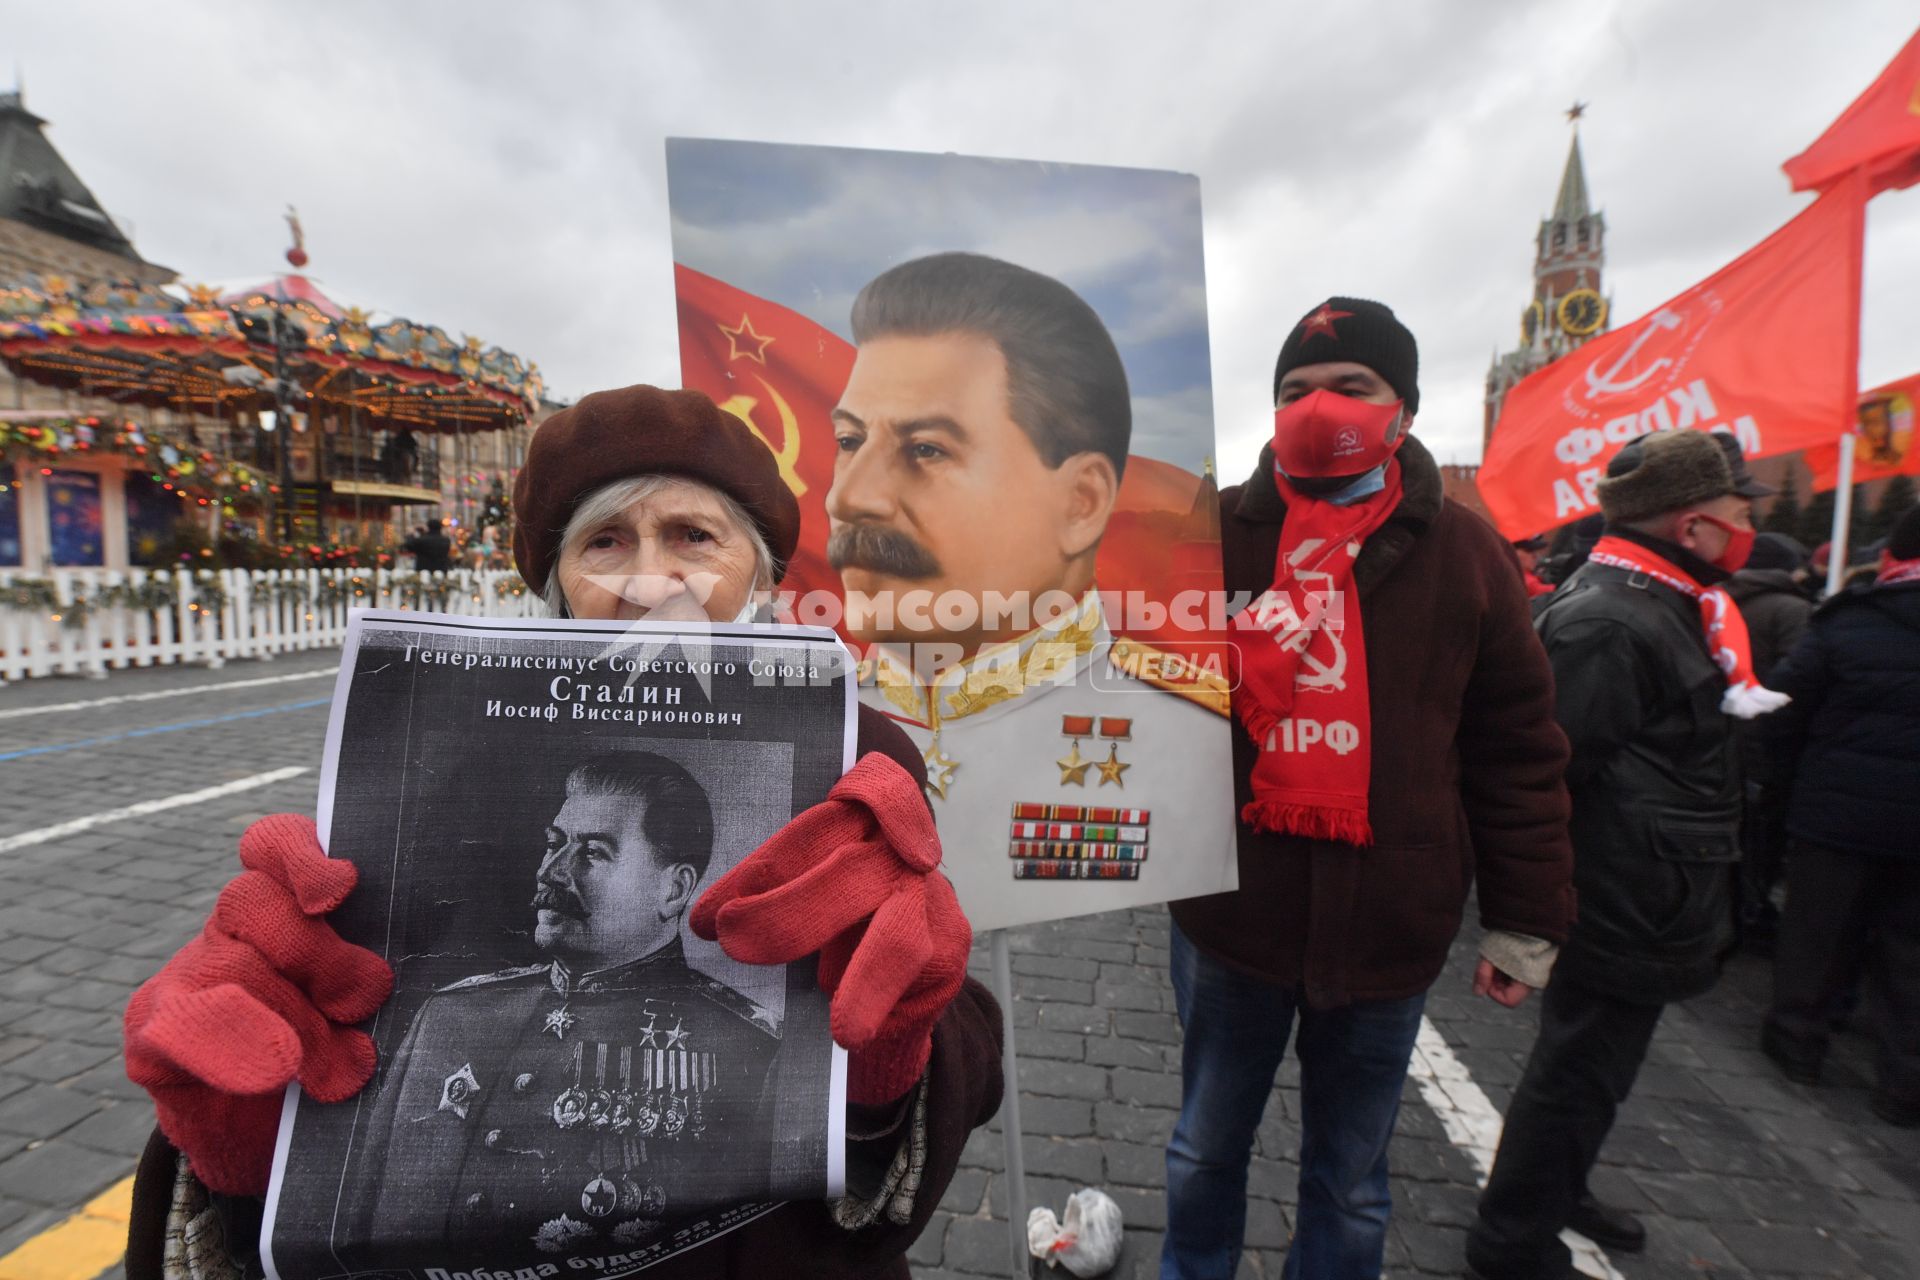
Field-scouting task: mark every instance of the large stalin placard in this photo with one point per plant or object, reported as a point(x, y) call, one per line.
point(569, 1080)
point(988, 386)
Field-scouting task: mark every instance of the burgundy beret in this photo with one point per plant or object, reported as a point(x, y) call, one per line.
point(635, 431)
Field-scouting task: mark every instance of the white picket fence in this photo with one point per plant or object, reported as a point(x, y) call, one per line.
point(145, 618)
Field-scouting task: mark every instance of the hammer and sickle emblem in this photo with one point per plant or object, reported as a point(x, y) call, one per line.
point(1609, 381)
point(787, 452)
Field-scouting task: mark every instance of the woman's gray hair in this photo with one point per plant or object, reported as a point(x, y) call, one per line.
point(610, 500)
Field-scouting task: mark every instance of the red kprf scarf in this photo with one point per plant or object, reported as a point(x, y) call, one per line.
point(1892, 571)
point(1721, 623)
point(1302, 638)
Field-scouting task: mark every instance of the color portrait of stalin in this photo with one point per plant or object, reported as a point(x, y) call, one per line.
point(981, 439)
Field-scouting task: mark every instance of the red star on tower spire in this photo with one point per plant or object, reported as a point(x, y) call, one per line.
point(1321, 321)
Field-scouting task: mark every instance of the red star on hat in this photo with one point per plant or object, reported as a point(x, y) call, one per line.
point(1321, 321)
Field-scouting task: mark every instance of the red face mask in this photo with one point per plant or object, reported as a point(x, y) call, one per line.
point(1739, 544)
point(1324, 433)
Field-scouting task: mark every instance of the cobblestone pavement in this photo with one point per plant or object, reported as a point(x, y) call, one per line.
point(1736, 1172)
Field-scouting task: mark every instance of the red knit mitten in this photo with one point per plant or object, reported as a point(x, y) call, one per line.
point(266, 994)
point(855, 878)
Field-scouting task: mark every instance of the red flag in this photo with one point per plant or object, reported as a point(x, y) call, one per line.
point(1767, 348)
point(1879, 133)
point(782, 374)
point(1884, 442)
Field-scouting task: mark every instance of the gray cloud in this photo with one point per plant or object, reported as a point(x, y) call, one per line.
point(498, 169)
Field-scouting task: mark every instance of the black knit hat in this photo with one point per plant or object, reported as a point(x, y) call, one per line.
point(1358, 330)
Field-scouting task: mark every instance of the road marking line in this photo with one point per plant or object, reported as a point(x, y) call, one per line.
point(28, 838)
point(181, 692)
point(81, 1247)
point(1473, 1124)
point(58, 747)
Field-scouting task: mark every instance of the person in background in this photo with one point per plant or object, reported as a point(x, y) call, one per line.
point(1770, 599)
point(1851, 739)
point(1650, 670)
point(432, 550)
point(1528, 550)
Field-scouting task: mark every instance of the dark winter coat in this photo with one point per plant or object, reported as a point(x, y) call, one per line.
point(799, 1241)
point(1466, 772)
point(1776, 613)
point(1852, 732)
point(432, 552)
point(1655, 783)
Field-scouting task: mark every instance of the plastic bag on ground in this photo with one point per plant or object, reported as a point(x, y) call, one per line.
point(1088, 1243)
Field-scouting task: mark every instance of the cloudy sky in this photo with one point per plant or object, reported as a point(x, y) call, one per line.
point(499, 169)
point(808, 227)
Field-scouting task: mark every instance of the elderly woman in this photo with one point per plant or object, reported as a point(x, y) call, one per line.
point(636, 503)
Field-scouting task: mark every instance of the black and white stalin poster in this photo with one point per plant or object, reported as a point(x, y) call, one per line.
point(569, 1081)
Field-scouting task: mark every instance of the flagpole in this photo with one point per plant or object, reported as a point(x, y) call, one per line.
point(1016, 1174)
point(1842, 515)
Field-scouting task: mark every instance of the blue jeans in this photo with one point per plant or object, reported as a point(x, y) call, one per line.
point(1353, 1062)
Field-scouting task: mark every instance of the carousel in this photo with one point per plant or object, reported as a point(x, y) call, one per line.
point(268, 408)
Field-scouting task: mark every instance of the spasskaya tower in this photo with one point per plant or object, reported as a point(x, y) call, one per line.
point(1568, 306)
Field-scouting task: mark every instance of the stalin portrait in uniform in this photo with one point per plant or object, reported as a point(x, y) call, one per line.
point(980, 441)
point(590, 1098)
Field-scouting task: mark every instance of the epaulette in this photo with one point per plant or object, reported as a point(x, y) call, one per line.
point(1197, 681)
point(489, 979)
point(740, 1006)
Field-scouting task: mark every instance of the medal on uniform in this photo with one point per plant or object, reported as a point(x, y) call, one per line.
point(599, 1100)
point(559, 1021)
point(1114, 731)
point(621, 1115)
point(1073, 768)
point(458, 1091)
point(599, 1196)
point(940, 767)
point(557, 1235)
point(675, 1120)
point(570, 1108)
point(646, 1110)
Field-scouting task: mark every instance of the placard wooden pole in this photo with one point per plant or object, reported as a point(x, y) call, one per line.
point(1016, 1167)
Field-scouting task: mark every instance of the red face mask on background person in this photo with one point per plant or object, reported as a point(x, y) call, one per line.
point(1739, 544)
point(1324, 433)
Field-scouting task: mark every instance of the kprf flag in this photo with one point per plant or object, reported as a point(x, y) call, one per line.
point(1879, 134)
point(1884, 443)
point(1766, 348)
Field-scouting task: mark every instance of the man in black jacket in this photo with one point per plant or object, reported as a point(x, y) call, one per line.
point(1656, 807)
point(1852, 738)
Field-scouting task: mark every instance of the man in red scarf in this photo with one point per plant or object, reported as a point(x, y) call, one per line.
point(1394, 745)
point(1651, 667)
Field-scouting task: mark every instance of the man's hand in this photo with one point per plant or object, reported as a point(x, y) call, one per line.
point(266, 994)
point(1497, 986)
